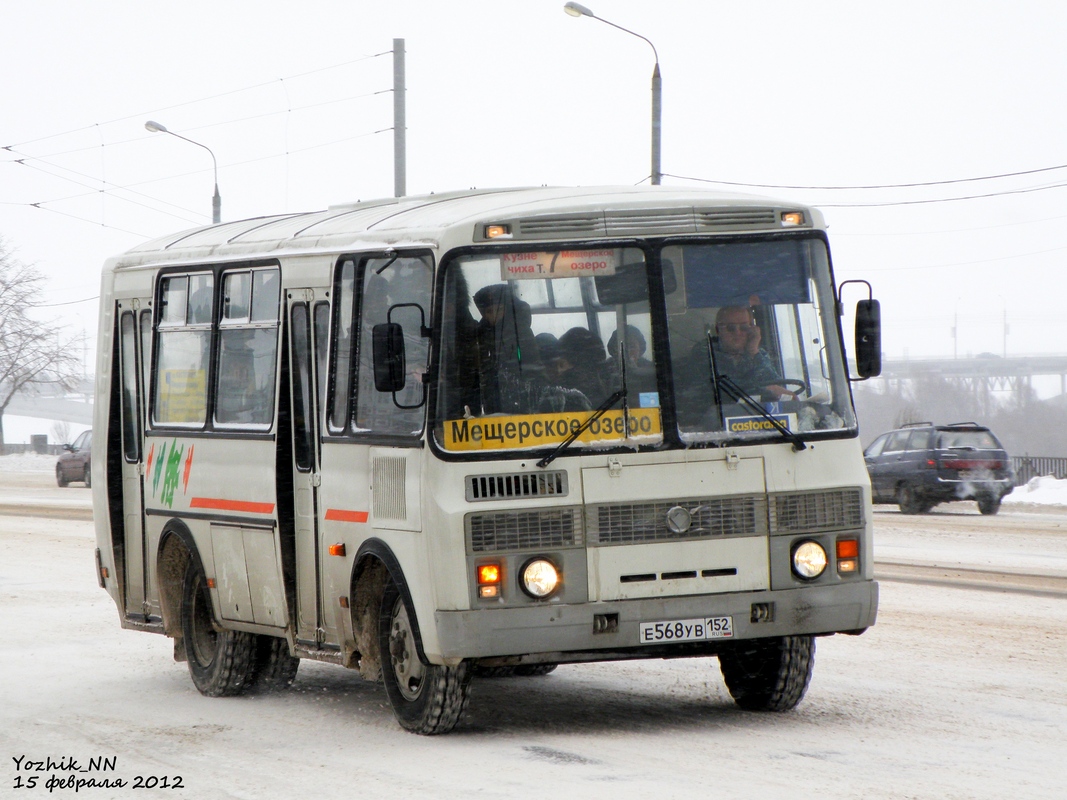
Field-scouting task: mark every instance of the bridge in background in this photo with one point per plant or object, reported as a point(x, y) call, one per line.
point(983, 374)
point(75, 406)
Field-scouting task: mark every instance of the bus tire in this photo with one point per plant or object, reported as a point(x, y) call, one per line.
point(426, 698)
point(529, 670)
point(768, 674)
point(273, 670)
point(220, 661)
point(988, 504)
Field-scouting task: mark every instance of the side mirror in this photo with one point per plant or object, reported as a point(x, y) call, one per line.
point(868, 338)
point(69, 448)
point(389, 359)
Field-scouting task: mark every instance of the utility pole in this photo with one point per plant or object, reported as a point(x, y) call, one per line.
point(399, 122)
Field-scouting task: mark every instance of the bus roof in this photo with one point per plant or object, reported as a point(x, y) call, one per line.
point(547, 213)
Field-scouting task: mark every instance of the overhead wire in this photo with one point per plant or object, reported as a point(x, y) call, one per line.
point(201, 99)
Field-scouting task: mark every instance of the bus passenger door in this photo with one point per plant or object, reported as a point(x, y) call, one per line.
point(306, 338)
point(132, 441)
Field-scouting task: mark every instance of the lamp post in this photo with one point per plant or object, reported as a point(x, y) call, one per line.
point(578, 10)
point(216, 201)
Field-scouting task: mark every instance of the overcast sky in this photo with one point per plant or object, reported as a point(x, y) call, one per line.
point(294, 99)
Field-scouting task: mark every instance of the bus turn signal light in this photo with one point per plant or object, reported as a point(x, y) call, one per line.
point(848, 548)
point(488, 580)
point(337, 549)
point(848, 553)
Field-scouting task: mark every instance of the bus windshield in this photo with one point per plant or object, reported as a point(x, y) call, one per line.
point(534, 342)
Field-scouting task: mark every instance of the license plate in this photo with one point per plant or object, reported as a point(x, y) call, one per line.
point(687, 630)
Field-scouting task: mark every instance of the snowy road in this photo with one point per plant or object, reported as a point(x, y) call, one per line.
point(956, 692)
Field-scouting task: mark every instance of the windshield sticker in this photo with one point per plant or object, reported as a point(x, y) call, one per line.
point(536, 430)
point(562, 264)
point(759, 424)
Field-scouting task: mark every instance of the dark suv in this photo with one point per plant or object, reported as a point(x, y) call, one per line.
point(75, 464)
point(922, 464)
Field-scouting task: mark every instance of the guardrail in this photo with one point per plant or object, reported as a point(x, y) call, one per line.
point(1027, 467)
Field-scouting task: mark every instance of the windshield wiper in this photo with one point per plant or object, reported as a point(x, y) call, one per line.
point(601, 411)
point(719, 380)
point(742, 397)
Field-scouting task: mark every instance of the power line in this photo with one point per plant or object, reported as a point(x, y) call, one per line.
point(68, 303)
point(888, 203)
point(111, 192)
point(875, 186)
point(91, 222)
point(143, 114)
point(46, 156)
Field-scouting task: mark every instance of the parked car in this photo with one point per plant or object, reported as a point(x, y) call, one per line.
point(922, 464)
point(75, 464)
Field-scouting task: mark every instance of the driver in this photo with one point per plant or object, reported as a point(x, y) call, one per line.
point(741, 359)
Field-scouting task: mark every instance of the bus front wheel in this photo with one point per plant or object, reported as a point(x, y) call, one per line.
point(768, 674)
point(221, 662)
point(426, 698)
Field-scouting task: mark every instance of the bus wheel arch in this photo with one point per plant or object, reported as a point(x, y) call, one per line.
point(176, 549)
point(374, 567)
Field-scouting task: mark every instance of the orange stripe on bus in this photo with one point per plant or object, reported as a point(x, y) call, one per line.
point(231, 505)
point(340, 515)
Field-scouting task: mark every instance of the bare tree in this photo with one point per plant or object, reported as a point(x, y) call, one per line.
point(33, 353)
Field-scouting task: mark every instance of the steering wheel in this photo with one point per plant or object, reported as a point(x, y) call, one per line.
point(790, 383)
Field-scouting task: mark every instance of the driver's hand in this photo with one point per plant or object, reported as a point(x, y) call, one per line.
point(753, 339)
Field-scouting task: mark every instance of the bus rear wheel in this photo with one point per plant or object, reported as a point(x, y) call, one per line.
point(221, 662)
point(768, 674)
point(426, 698)
point(274, 670)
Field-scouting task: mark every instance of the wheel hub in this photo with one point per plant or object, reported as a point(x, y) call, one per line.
point(407, 668)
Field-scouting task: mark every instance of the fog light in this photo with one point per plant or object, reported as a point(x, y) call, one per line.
point(540, 578)
point(809, 560)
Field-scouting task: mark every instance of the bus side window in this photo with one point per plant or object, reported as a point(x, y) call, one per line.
point(341, 379)
point(405, 280)
point(180, 379)
point(248, 347)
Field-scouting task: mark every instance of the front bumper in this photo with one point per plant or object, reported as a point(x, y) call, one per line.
point(569, 630)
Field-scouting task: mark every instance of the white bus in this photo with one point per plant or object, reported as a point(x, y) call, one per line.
point(485, 433)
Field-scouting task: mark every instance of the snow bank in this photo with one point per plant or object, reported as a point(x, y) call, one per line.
point(27, 462)
point(1043, 490)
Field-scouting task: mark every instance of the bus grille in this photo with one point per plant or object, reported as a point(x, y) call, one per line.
point(840, 509)
point(632, 523)
point(545, 529)
point(736, 218)
point(522, 484)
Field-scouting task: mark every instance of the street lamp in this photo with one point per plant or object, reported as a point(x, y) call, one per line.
point(216, 201)
point(578, 10)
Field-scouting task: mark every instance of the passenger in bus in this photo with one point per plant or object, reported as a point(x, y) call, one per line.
point(509, 365)
point(581, 364)
point(460, 350)
point(640, 373)
point(740, 358)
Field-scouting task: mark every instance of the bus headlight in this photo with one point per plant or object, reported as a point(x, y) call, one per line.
point(540, 578)
point(809, 560)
